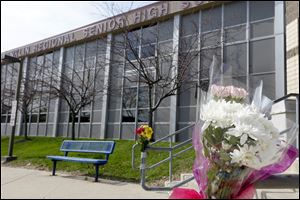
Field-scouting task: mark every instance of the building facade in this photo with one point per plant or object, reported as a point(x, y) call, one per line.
point(250, 36)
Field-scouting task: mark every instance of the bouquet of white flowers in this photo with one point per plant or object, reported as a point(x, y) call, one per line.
point(235, 141)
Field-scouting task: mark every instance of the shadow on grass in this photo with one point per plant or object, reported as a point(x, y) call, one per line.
point(23, 140)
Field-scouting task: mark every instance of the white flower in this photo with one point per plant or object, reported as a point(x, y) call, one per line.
point(259, 143)
point(220, 113)
point(245, 156)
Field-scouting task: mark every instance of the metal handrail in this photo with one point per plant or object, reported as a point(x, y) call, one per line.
point(169, 149)
point(168, 136)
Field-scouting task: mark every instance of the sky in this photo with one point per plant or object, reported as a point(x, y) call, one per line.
point(24, 22)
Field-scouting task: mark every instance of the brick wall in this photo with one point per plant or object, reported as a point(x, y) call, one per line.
point(292, 46)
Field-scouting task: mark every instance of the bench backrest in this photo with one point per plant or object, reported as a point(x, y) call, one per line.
point(103, 147)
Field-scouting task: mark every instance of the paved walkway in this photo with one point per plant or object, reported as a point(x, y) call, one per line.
point(19, 183)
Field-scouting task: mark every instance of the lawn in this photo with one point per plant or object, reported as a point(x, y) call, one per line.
point(32, 153)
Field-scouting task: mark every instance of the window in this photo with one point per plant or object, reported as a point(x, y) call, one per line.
point(165, 30)
point(211, 19)
point(128, 116)
point(235, 13)
point(149, 34)
point(260, 29)
point(262, 56)
point(206, 59)
point(235, 60)
point(268, 84)
point(211, 39)
point(235, 34)
point(85, 117)
point(143, 115)
point(261, 10)
point(3, 118)
point(189, 24)
point(129, 98)
point(91, 49)
point(43, 118)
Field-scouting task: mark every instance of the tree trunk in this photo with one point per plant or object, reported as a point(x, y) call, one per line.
point(150, 113)
point(73, 126)
point(25, 124)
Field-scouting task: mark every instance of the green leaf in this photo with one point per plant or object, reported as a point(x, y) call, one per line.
point(234, 140)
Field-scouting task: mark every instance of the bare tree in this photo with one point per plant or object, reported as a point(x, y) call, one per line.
point(29, 93)
point(77, 84)
point(164, 70)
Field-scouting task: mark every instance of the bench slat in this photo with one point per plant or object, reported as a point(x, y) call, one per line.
point(105, 147)
point(76, 159)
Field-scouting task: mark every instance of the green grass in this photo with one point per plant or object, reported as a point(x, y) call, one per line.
point(32, 153)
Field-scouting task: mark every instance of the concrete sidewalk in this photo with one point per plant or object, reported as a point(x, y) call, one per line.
point(22, 183)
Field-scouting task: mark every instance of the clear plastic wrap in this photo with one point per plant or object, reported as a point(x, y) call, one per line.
point(235, 141)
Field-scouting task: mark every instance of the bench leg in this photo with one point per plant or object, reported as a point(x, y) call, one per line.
point(97, 173)
point(54, 167)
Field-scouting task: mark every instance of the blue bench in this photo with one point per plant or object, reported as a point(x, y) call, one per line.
point(101, 147)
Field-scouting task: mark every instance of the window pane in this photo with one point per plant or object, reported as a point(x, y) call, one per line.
point(188, 43)
point(96, 130)
point(85, 117)
point(235, 34)
point(63, 117)
point(97, 116)
point(261, 29)
point(43, 118)
point(211, 19)
point(235, 60)
point(79, 52)
point(132, 54)
point(115, 99)
point(162, 115)
point(133, 38)
point(268, 84)
point(165, 48)
point(148, 51)
point(34, 118)
point(114, 116)
point(211, 39)
point(97, 102)
point(91, 49)
point(127, 132)
point(69, 54)
point(204, 85)
point(165, 30)
point(187, 96)
point(101, 46)
point(113, 131)
point(235, 13)
point(143, 97)
point(206, 59)
point(161, 130)
point(128, 116)
point(149, 34)
point(3, 118)
point(187, 114)
point(261, 10)
point(129, 98)
point(262, 56)
point(143, 116)
point(189, 24)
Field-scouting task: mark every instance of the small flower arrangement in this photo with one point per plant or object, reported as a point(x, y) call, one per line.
point(144, 133)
